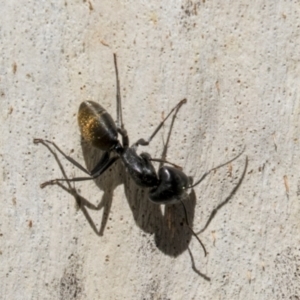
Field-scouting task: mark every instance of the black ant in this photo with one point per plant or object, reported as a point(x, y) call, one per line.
point(168, 186)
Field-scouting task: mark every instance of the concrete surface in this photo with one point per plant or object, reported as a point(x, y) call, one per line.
point(237, 63)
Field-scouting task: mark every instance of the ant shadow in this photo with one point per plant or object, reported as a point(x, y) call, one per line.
point(171, 235)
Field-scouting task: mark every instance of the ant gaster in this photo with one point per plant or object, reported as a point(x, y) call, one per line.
point(168, 186)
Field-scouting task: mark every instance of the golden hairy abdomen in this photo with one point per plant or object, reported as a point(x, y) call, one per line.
point(97, 126)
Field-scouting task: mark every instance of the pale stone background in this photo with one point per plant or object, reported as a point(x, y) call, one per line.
point(237, 63)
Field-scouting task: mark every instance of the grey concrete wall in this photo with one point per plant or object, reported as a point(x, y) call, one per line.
point(237, 63)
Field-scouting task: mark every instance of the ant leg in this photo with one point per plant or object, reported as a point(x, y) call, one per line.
point(144, 142)
point(125, 138)
point(166, 145)
point(82, 203)
point(70, 159)
point(104, 163)
point(120, 125)
point(99, 165)
point(119, 103)
point(163, 159)
point(215, 168)
point(192, 231)
point(58, 162)
point(93, 176)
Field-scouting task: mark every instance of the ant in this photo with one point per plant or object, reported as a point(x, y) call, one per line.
point(167, 186)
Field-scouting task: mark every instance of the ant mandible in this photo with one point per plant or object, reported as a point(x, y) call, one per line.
point(97, 127)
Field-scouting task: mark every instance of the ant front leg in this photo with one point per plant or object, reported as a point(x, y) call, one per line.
point(104, 163)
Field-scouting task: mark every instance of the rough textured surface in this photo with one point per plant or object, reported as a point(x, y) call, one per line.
point(237, 63)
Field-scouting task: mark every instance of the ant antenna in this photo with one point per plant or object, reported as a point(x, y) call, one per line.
point(192, 231)
point(215, 168)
